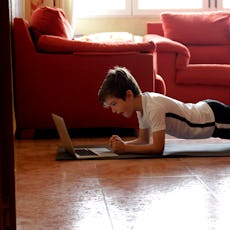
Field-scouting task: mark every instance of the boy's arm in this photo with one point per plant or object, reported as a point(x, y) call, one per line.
point(138, 146)
point(143, 138)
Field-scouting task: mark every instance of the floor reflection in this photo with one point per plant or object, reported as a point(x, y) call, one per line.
point(161, 194)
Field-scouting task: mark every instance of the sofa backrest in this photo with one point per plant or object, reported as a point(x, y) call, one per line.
point(215, 54)
point(206, 35)
point(210, 28)
point(155, 28)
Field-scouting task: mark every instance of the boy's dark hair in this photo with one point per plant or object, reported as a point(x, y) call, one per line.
point(117, 81)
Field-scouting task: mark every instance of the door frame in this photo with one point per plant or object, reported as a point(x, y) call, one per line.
point(7, 176)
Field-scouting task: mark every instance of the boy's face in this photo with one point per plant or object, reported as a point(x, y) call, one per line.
point(120, 106)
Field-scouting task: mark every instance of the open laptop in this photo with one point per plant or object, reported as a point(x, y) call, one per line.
point(79, 152)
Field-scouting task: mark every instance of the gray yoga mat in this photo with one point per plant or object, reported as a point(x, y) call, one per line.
point(173, 148)
point(177, 148)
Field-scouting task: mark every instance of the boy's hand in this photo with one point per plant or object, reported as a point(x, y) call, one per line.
point(117, 144)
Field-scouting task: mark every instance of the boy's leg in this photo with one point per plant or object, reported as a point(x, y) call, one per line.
point(222, 118)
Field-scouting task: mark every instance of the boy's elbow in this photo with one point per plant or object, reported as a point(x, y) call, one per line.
point(159, 150)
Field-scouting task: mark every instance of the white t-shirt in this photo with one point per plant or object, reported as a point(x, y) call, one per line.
point(182, 120)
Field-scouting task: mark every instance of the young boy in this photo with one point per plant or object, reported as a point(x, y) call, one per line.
point(158, 114)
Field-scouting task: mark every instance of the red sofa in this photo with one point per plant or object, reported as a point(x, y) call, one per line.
point(193, 54)
point(59, 75)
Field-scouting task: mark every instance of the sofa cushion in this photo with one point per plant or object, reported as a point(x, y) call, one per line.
point(109, 37)
point(197, 28)
point(204, 74)
point(55, 44)
point(50, 21)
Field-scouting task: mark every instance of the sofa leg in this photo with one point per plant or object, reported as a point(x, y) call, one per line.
point(25, 133)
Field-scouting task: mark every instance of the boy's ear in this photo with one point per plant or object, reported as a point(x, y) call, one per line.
point(129, 93)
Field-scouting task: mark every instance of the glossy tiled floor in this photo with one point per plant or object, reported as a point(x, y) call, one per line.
point(156, 194)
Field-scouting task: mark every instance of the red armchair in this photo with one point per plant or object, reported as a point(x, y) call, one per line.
point(66, 81)
point(193, 54)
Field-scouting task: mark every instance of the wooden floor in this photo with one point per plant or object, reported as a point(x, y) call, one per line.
point(143, 194)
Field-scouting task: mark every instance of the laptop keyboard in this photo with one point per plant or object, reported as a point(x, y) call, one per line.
point(85, 152)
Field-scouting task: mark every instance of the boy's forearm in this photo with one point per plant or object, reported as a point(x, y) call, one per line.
point(136, 141)
point(144, 148)
point(139, 145)
point(142, 144)
point(143, 138)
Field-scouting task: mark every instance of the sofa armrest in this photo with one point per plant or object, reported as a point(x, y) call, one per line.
point(165, 45)
point(160, 86)
point(24, 42)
